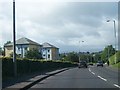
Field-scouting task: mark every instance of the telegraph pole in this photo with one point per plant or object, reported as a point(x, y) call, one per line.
point(14, 44)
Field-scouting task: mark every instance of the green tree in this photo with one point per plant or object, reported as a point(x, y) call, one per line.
point(107, 52)
point(86, 56)
point(82, 57)
point(1, 51)
point(62, 56)
point(72, 56)
point(7, 42)
point(17, 56)
point(33, 54)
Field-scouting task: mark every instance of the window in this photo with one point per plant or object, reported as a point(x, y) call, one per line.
point(19, 48)
point(25, 48)
point(48, 55)
point(43, 54)
point(48, 50)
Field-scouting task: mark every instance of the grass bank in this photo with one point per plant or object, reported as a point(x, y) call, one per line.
point(116, 65)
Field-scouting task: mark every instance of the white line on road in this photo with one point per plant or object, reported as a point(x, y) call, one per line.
point(117, 85)
point(93, 73)
point(89, 70)
point(102, 78)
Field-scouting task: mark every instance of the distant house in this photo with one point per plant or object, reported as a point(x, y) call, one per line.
point(50, 52)
point(22, 46)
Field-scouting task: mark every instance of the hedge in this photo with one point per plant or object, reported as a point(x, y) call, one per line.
point(25, 66)
point(112, 58)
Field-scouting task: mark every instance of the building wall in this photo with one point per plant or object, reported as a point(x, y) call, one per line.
point(55, 53)
point(31, 47)
point(8, 51)
point(46, 53)
point(50, 53)
point(20, 49)
point(24, 48)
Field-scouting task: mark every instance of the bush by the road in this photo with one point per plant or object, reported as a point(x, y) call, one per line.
point(25, 66)
point(112, 58)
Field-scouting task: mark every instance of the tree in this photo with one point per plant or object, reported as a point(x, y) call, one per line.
point(72, 56)
point(1, 51)
point(62, 56)
point(17, 55)
point(33, 54)
point(107, 52)
point(7, 42)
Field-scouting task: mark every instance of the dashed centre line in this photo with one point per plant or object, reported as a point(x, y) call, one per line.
point(116, 85)
point(93, 73)
point(98, 75)
point(102, 78)
point(89, 70)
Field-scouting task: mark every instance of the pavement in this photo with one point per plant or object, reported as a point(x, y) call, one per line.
point(24, 85)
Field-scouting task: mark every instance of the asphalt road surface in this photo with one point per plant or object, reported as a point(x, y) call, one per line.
point(91, 77)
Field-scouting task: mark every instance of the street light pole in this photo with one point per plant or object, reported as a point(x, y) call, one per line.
point(115, 41)
point(115, 36)
point(14, 44)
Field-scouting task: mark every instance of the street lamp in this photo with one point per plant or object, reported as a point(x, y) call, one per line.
point(14, 44)
point(114, 35)
point(79, 50)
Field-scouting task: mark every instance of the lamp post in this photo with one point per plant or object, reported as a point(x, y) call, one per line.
point(114, 36)
point(79, 50)
point(14, 44)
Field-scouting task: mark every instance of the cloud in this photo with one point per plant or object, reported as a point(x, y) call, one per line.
point(63, 24)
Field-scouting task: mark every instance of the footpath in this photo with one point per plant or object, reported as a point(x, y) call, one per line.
point(26, 83)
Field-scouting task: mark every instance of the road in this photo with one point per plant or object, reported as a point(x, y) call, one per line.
point(91, 77)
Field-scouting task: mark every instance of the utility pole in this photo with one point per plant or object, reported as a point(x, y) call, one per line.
point(14, 44)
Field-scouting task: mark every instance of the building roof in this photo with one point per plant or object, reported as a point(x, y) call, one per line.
point(47, 45)
point(23, 41)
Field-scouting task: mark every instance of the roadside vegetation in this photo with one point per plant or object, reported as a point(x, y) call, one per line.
point(33, 61)
point(28, 66)
point(116, 65)
point(112, 60)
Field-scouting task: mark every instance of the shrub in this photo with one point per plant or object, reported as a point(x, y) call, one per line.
point(25, 66)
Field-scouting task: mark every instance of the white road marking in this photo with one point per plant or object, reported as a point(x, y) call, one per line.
point(93, 73)
point(102, 78)
point(89, 70)
point(117, 85)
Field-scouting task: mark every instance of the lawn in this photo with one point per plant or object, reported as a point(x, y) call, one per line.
point(116, 65)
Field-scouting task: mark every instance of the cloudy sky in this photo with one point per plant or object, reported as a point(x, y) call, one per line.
point(63, 24)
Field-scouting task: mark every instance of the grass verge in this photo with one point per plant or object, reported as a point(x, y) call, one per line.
point(116, 65)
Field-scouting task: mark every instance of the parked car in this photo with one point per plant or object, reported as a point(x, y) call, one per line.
point(99, 63)
point(82, 64)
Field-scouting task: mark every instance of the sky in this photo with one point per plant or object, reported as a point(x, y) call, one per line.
point(64, 24)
